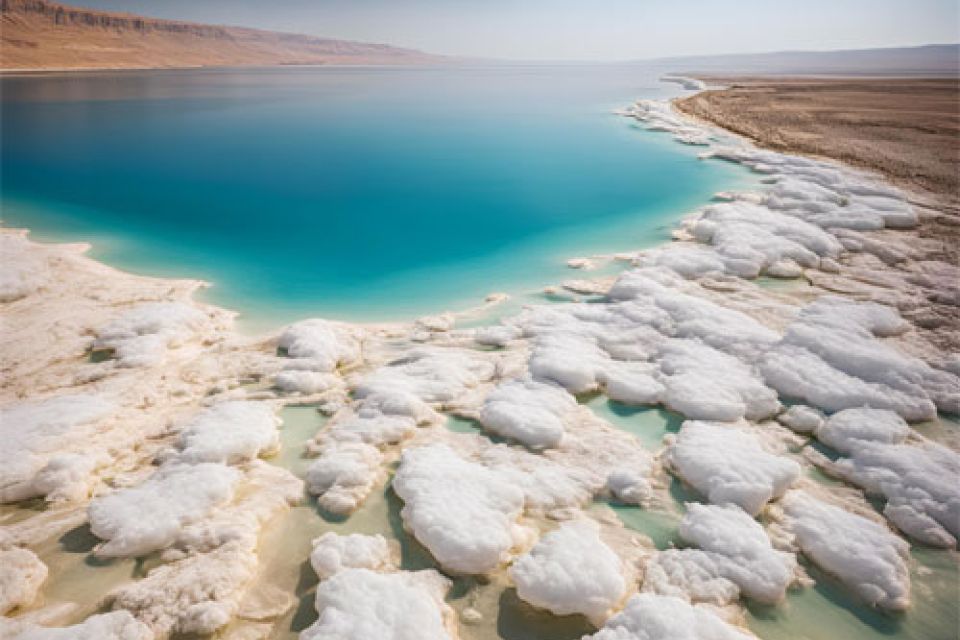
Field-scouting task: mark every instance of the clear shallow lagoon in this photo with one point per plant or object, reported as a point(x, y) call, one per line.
point(355, 193)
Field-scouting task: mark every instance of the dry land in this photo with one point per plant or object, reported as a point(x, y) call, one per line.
point(39, 35)
point(906, 129)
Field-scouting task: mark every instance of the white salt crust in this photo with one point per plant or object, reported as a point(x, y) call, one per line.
point(866, 556)
point(571, 571)
point(728, 464)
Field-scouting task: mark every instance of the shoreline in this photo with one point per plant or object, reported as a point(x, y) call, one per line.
point(690, 301)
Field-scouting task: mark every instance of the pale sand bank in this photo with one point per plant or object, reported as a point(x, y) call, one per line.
point(133, 408)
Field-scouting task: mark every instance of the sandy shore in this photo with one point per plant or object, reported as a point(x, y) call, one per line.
point(140, 421)
point(904, 129)
point(907, 130)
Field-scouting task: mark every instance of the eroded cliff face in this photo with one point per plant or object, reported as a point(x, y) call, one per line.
point(42, 35)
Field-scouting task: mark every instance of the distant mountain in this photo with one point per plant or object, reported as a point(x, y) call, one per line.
point(934, 59)
point(36, 34)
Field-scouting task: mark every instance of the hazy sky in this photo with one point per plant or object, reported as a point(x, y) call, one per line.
point(583, 29)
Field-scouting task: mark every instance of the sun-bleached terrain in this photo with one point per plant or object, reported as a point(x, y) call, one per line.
point(771, 326)
point(41, 35)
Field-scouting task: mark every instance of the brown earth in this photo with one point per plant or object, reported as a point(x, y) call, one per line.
point(37, 35)
point(906, 129)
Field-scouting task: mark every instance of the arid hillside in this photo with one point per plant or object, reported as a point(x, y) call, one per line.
point(35, 34)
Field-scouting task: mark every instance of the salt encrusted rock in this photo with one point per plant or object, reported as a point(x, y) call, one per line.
point(229, 432)
point(691, 575)
point(391, 402)
point(916, 480)
point(742, 550)
point(659, 116)
point(44, 446)
point(22, 269)
point(559, 485)
point(344, 475)
point(322, 346)
point(431, 374)
point(438, 323)
point(333, 553)
point(801, 418)
point(496, 335)
point(198, 594)
point(141, 336)
point(265, 492)
point(632, 383)
point(864, 555)
point(303, 381)
point(116, 625)
point(21, 574)
point(359, 604)
point(706, 384)
point(751, 239)
point(689, 260)
point(845, 429)
point(728, 464)
point(148, 517)
point(213, 563)
point(797, 373)
point(462, 512)
point(653, 617)
point(528, 411)
point(831, 357)
point(570, 570)
point(628, 486)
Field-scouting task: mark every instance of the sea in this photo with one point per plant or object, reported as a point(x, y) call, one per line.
point(353, 193)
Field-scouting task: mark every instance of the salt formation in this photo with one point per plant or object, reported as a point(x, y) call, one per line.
point(391, 402)
point(333, 553)
point(22, 268)
point(703, 383)
point(750, 239)
point(653, 617)
point(359, 604)
point(865, 555)
point(229, 432)
point(51, 447)
point(691, 575)
point(740, 550)
point(801, 418)
point(659, 116)
point(213, 561)
point(141, 336)
point(916, 481)
point(116, 625)
point(570, 570)
point(462, 512)
point(728, 464)
point(320, 345)
point(528, 411)
point(21, 575)
point(847, 429)
point(690, 84)
point(831, 357)
point(148, 517)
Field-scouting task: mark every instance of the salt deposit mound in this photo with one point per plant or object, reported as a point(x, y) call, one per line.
point(570, 570)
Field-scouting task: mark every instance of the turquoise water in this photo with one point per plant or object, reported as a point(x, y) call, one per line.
point(362, 193)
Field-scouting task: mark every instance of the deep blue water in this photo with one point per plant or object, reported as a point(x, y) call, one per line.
point(358, 193)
